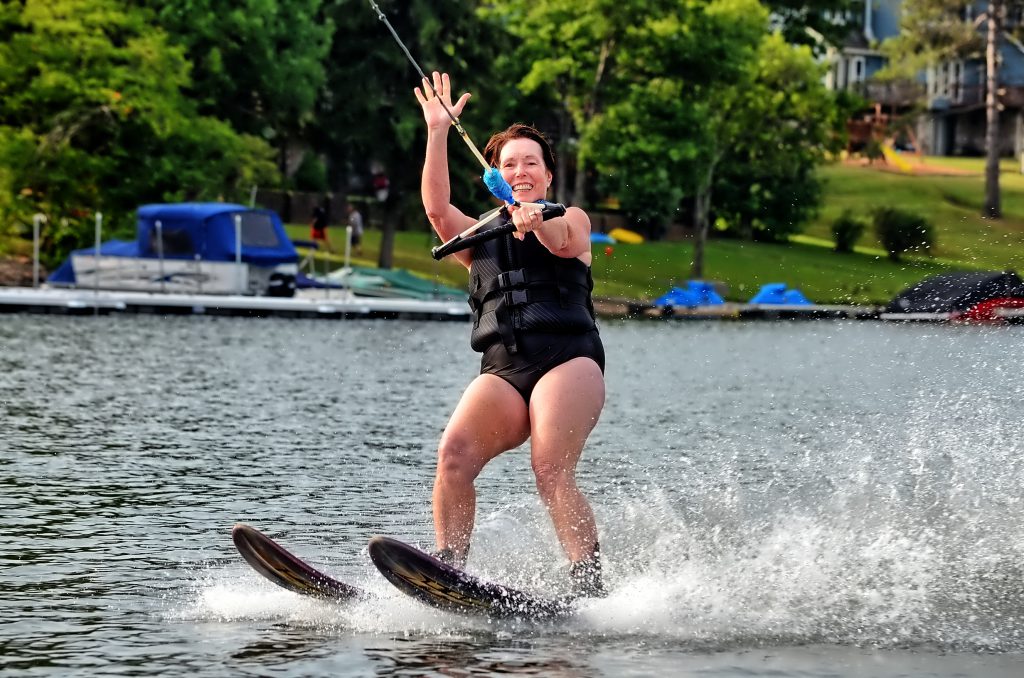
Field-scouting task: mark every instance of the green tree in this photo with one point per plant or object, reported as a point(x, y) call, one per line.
point(572, 48)
point(666, 135)
point(783, 122)
point(368, 121)
point(92, 118)
point(816, 24)
point(257, 64)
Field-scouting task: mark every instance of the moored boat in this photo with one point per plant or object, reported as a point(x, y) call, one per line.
point(191, 248)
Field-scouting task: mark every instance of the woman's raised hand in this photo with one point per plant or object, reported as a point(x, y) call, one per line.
point(433, 112)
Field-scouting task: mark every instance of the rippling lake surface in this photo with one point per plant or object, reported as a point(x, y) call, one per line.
point(784, 499)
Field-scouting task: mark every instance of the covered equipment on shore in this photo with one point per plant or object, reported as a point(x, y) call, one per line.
point(778, 294)
point(624, 235)
point(696, 293)
point(961, 293)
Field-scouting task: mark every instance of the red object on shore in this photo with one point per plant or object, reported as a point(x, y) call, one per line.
point(985, 312)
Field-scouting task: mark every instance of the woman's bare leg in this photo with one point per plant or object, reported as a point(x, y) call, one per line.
point(564, 408)
point(490, 418)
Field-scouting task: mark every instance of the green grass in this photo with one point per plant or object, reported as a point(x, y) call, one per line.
point(648, 270)
point(965, 241)
point(952, 203)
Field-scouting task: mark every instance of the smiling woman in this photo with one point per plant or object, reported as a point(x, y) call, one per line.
point(542, 373)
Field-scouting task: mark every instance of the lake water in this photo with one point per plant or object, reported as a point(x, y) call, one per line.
point(783, 499)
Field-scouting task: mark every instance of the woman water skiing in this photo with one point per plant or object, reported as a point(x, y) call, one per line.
point(542, 372)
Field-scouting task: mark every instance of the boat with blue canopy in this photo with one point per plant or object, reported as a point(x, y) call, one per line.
point(194, 248)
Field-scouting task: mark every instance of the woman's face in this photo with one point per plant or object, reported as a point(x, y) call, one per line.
point(522, 164)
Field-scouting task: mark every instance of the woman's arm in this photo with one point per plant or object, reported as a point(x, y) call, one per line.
point(567, 237)
point(435, 189)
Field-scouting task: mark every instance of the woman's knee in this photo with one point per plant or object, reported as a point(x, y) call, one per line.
point(459, 459)
point(553, 479)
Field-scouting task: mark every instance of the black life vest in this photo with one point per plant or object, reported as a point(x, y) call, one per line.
point(519, 286)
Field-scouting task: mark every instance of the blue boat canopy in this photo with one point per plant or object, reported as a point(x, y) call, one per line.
point(206, 229)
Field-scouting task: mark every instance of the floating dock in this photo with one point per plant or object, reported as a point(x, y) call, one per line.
point(325, 304)
point(333, 304)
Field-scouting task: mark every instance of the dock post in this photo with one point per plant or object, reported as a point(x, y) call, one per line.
point(96, 288)
point(348, 244)
point(37, 222)
point(238, 253)
point(160, 254)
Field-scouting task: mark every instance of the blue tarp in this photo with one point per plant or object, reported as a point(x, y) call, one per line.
point(776, 293)
point(696, 293)
point(208, 229)
point(203, 229)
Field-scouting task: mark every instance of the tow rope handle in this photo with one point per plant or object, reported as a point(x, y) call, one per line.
point(470, 237)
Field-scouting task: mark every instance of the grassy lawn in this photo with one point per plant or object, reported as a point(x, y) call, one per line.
point(648, 270)
point(952, 203)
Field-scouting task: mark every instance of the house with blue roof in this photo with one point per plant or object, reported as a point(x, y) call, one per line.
point(953, 92)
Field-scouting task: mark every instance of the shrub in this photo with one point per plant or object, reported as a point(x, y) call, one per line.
point(846, 230)
point(901, 231)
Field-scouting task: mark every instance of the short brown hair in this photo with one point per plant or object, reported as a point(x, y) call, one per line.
point(492, 151)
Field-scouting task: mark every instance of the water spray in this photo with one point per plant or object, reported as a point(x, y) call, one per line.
point(495, 183)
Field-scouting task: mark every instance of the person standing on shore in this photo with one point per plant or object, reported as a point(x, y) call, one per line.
point(355, 221)
point(318, 228)
point(542, 371)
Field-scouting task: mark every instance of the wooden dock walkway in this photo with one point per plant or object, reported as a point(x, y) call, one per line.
point(325, 304)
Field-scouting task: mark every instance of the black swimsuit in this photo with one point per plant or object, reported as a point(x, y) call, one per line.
point(539, 354)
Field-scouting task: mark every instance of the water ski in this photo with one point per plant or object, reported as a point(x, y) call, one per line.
point(275, 563)
point(435, 583)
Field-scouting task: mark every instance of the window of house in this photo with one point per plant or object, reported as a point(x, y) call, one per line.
point(856, 73)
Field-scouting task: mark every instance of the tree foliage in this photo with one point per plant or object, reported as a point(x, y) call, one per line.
point(92, 117)
point(815, 24)
point(572, 51)
point(256, 64)
point(785, 122)
point(105, 104)
point(656, 143)
point(931, 31)
point(367, 119)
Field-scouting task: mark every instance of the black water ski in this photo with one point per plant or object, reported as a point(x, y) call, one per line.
point(440, 585)
point(286, 570)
